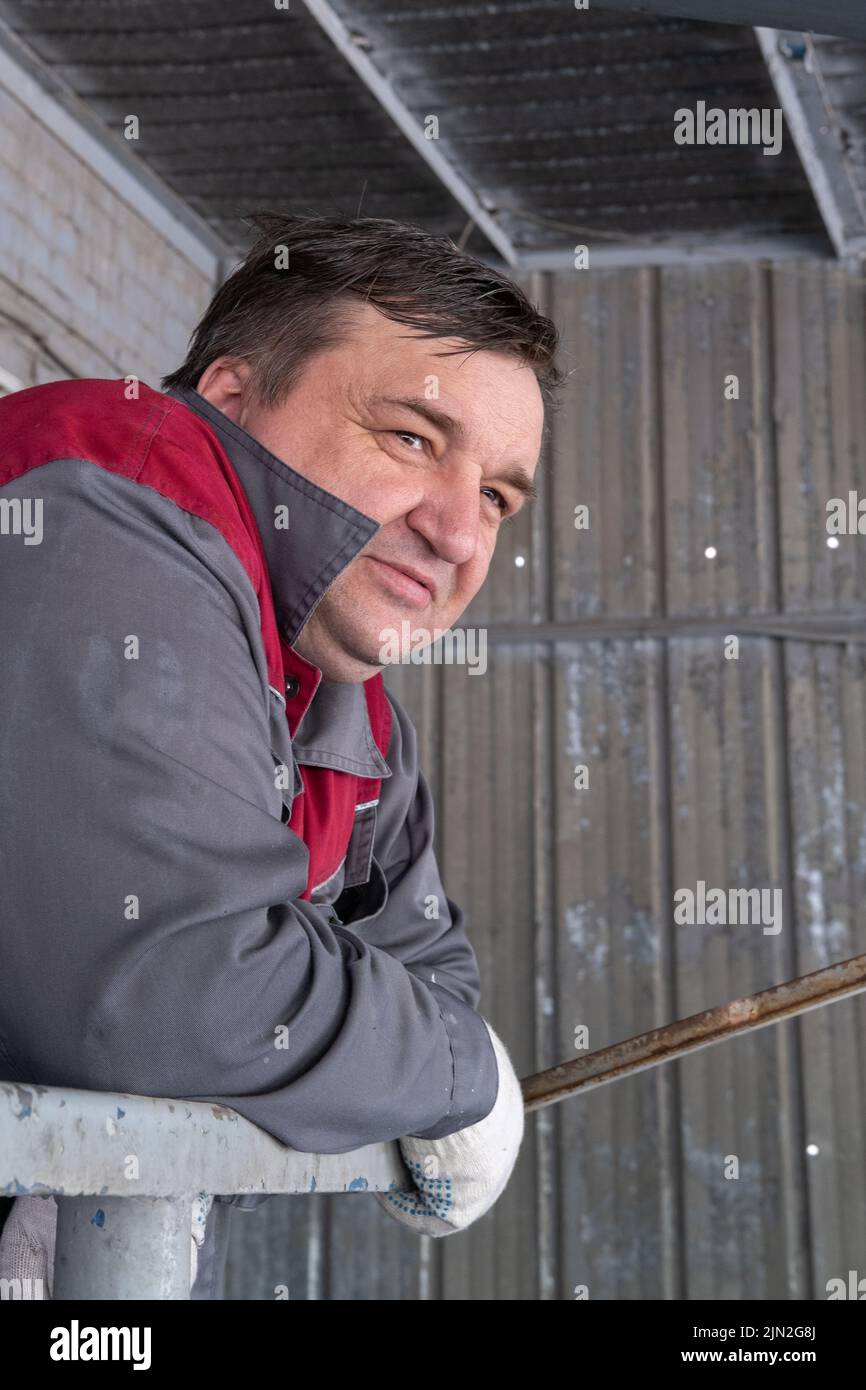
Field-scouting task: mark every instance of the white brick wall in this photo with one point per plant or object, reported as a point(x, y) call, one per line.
point(88, 286)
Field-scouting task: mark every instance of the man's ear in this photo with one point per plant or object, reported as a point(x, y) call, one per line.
point(223, 383)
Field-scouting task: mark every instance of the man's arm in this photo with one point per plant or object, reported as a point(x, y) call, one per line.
point(423, 928)
point(154, 939)
point(457, 1172)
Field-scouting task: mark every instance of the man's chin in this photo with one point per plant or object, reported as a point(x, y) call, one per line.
point(388, 637)
point(402, 636)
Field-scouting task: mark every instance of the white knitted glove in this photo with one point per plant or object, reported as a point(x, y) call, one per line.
point(458, 1178)
point(27, 1242)
point(27, 1247)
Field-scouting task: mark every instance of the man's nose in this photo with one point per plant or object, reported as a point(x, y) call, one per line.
point(448, 517)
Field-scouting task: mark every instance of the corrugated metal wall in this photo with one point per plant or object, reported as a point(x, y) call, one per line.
point(743, 773)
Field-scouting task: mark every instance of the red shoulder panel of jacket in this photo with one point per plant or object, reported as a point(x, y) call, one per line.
point(152, 439)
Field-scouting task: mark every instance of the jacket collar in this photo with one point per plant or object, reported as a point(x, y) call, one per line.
point(323, 533)
point(304, 558)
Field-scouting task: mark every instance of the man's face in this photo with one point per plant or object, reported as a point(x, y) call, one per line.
point(432, 447)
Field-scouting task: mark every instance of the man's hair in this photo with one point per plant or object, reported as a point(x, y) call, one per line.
point(276, 319)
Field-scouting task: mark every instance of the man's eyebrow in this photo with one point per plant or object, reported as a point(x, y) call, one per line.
point(443, 421)
point(521, 481)
point(514, 474)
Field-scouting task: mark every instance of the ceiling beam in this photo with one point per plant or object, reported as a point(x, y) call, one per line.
point(381, 88)
point(793, 68)
point(845, 18)
point(682, 251)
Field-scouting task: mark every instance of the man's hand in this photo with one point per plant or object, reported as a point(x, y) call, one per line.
point(458, 1178)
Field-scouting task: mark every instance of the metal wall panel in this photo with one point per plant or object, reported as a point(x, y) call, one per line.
point(746, 772)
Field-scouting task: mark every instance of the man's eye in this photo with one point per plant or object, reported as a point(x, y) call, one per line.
point(407, 434)
point(502, 503)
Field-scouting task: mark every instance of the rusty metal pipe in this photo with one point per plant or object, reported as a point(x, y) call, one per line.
point(699, 1030)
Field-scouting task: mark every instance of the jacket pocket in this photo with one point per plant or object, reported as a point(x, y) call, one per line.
point(359, 851)
point(364, 901)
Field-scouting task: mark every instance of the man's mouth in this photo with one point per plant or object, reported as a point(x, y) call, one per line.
point(407, 584)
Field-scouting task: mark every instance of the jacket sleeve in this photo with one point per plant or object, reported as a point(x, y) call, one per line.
point(424, 929)
point(153, 937)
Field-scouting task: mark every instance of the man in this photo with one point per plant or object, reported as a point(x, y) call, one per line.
point(218, 866)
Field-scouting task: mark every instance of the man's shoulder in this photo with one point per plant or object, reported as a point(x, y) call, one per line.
point(133, 434)
point(111, 422)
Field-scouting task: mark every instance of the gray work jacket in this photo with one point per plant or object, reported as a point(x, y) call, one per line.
point(153, 938)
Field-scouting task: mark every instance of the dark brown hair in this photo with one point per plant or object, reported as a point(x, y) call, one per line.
point(275, 319)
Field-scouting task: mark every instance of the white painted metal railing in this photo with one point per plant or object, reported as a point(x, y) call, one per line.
point(124, 1170)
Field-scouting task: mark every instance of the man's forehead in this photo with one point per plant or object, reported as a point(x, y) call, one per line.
point(462, 402)
point(461, 388)
point(405, 348)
